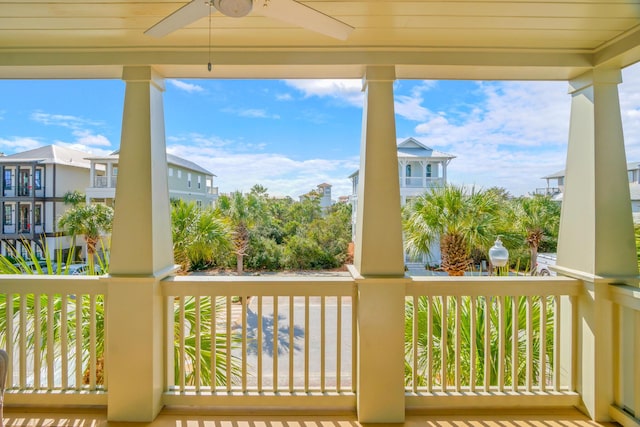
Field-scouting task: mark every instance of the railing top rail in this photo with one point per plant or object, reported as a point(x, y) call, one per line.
point(625, 295)
point(257, 286)
point(51, 284)
point(493, 286)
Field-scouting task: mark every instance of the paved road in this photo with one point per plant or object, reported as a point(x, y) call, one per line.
point(296, 327)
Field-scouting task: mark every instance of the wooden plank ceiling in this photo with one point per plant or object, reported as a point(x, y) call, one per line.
point(497, 39)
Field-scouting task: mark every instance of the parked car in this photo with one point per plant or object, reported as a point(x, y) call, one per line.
point(546, 260)
point(30, 266)
point(79, 269)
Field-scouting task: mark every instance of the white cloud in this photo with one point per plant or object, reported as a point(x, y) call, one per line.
point(87, 149)
point(18, 144)
point(187, 87)
point(88, 138)
point(63, 120)
point(280, 174)
point(255, 113)
point(284, 97)
point(516, 134)
point(348, 91)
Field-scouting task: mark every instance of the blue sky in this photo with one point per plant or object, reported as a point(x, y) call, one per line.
point(290, 135)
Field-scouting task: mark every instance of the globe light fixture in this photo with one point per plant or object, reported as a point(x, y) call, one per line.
point(498, 254)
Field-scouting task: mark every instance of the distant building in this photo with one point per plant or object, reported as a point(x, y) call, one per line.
point(556, 182)
point(33, 185)
point(187, 180)
point(420, 168)
point(323, 192)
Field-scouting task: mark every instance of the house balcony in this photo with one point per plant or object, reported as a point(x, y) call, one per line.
point(105, 181)
point(291, 342)
point(421, 182)
point(104, 187)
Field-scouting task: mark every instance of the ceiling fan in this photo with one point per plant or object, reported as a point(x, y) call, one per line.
point(289, 11)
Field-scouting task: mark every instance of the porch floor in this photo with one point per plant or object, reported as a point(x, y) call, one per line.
point(22, 417)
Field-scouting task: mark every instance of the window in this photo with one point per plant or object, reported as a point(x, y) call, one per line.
point(199, 203)
point(114, 171)
point(189, 180)
point(37, 213)
point(8, 215)
point(170, 171)
point(7, 179)
point(37, 179)
point(408, 170)
point(199, 181)
point(428, 170)
point(179, 173)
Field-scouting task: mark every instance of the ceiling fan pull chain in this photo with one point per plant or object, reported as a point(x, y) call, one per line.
point(209, 64)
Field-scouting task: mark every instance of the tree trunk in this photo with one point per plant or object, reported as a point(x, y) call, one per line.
point(239, 263)
point(534, 259)
point(455, 256)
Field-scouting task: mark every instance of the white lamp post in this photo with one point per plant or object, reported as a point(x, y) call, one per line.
point(498, 254)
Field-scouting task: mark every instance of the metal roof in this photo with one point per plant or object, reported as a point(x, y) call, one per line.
point(50, 154)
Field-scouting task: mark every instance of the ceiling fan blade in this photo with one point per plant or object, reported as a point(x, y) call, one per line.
point(295, 13)
point(182, 17)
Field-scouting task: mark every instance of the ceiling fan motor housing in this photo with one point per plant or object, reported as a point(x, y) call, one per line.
point(233, 8)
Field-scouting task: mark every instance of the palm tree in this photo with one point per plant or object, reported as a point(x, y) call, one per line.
point(459, 220)
point(471, 346)
point(198, 234)
point(538, 218)
point(242, 212)
point(91, 221)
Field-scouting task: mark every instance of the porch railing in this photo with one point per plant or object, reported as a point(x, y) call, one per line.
point(282, 341)
point(488, 337)
point(293, 338)
point(53, 329)
point(626, 348)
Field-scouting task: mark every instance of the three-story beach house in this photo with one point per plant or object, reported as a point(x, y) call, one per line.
point(419, 168)
point(32, 188)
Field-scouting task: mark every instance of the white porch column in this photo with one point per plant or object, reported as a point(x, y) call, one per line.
point(444, 172)
point(379, 258)
point(596, 241)
point(109, 173)
point(141, 254)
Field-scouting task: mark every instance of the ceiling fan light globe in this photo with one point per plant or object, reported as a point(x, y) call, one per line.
point(233, 8)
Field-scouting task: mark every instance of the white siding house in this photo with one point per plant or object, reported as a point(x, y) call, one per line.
point(556, 183)
point(32, 186)
point(187, 180)
point(419, 168)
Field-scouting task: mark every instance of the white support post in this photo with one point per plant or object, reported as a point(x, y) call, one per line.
point(596, 241)
point(141, 254)
point(379, 258)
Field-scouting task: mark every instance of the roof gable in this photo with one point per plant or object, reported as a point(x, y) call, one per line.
point(413, 143)
point(412, 148)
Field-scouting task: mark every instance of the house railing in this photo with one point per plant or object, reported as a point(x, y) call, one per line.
point(421, 182)
point(286, 337)
point(471, 339)
point(105, 181)
point(53, 329)
point(282, 341)
point(626, 348)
